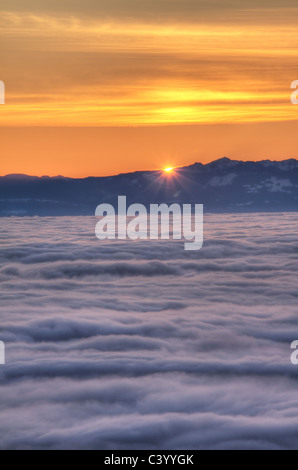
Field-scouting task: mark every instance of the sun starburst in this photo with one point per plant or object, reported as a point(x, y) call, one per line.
point(169, 169)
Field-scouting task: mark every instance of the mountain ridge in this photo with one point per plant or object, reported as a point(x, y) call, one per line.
point(224, 160)
point(223, 185)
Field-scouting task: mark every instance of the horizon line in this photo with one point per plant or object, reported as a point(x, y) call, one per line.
point(150, 171)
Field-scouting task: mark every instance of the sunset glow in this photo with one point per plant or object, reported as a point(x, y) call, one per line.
point(105, 66)
point(169, 169)
point(163, 82)
point(148, 205)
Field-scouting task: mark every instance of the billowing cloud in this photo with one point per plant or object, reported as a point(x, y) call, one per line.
point(120, 345)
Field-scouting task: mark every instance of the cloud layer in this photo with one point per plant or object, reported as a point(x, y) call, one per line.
point(143, 345)
point(133, 63)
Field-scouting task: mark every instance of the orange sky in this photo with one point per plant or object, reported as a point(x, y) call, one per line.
point(99, 87)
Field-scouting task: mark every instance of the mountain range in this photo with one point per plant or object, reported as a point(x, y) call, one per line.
point(223, 185)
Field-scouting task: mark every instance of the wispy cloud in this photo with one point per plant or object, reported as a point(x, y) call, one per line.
point(115, 70)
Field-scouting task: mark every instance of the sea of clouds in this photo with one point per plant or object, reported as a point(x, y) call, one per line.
point(143, 345)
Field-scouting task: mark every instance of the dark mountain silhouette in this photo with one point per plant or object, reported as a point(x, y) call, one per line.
point(223, 185)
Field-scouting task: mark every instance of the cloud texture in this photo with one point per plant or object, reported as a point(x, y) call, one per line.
point(129, 345)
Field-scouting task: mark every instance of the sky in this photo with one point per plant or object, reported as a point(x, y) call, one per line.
point(102, 87)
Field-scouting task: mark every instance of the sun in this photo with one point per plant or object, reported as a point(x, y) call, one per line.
point(169, 169)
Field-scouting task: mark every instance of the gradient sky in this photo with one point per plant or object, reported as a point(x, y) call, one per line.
point(99, 87)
